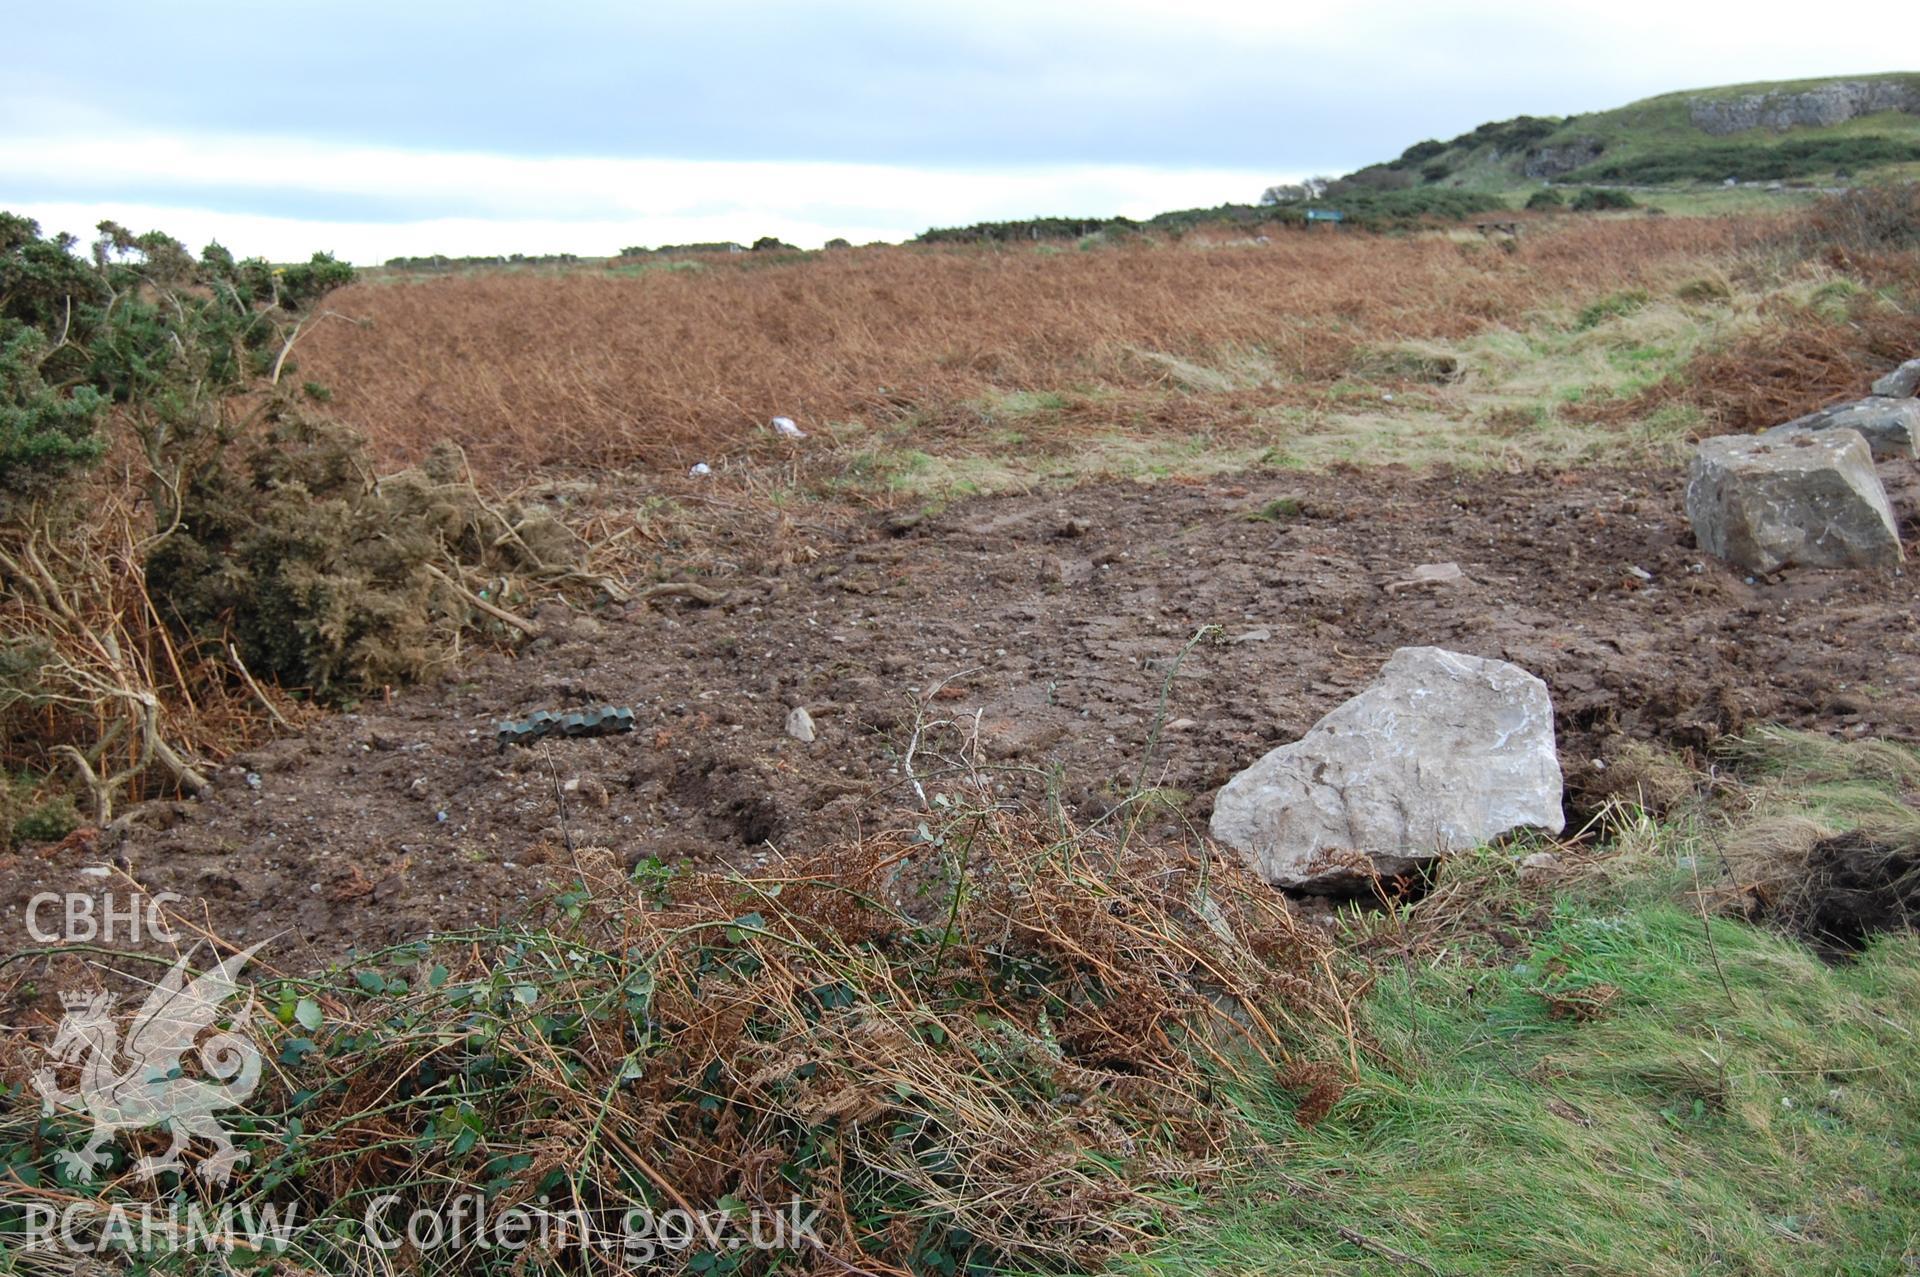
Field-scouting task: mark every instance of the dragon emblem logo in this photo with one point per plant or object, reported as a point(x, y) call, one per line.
point(139, 1082)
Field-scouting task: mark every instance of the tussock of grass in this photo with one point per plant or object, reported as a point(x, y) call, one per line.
point(1834, 785)
point(1830, 847)
point(1803, 760)
point(1199, 378)
point(1423, 439)
point(1612, 306)
point(1411, 361)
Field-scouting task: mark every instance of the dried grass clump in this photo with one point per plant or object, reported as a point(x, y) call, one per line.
point(91, 682)
point(1015, 1049)
point(1799, 362)
point(1806, 355)
point(1800, 359)
point(1870, 230)
point(1653, 777)
point(1834, 888)
point(1809, 356)
point(1798, 760)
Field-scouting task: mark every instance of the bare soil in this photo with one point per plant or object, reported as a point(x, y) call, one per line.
point(1056, 619)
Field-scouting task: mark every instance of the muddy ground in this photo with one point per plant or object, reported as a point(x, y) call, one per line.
point(1055, 618)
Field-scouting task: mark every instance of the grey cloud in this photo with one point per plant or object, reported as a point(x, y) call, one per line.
point(926, 84)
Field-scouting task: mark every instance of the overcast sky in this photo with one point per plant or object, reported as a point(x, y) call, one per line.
point(379, 129)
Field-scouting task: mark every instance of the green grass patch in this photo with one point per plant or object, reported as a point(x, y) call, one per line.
point(1605, 1105)
point(1611, 306)
point(1016, 464)
point(34, 809)
point(1278, 510)
point(1020, 403)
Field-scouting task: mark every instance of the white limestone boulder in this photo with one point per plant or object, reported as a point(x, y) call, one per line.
point(1442, 753)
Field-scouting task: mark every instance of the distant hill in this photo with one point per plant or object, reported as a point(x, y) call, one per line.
point(1802, 131)
point(1367, 209)
point(1799, 133)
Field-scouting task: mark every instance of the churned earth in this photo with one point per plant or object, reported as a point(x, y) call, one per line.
point(1030, 639)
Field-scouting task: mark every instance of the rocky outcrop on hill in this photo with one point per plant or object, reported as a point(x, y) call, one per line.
point(1555, 161)
point(1821, 107)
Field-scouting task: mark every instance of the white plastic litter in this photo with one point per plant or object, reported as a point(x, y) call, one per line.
point(786, 429)
point(1428, 574)
point(700, 470)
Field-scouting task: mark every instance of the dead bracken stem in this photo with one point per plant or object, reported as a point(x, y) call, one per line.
point(1706, 928)
point(266, 703)
point(922, 726)
point(500, 614)
point(1364, 1242)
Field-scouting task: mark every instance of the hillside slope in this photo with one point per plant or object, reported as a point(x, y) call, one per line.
point(1806, 131)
